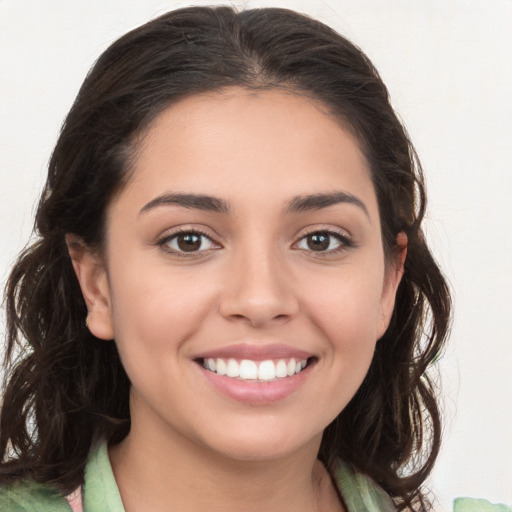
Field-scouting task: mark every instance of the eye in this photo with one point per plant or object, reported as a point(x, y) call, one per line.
point(323, 241)
point(188, 242)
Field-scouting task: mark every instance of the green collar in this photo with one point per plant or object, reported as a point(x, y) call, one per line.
point(100, 489)
point(101, 494)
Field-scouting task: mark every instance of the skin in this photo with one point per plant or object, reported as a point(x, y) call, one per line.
point(254, 280)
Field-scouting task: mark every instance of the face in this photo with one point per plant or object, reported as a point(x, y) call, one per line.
point(243, 277)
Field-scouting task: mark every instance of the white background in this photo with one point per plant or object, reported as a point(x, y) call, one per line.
point(448, 66)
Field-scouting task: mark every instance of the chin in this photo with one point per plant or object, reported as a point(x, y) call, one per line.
point(262, 445)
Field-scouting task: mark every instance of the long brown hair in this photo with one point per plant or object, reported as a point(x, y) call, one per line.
point(67, 389)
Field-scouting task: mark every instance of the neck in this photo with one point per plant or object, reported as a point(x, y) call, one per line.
point(154, 472)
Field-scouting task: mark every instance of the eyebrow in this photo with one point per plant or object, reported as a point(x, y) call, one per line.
point(297, 204)
point(196, 201)
point(318, 201)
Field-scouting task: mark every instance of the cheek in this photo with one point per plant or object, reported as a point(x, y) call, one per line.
point(344, 314)
point(346, 306)
point(157, 307)
point(155, 314)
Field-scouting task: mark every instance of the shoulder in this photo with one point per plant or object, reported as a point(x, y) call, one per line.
point(30, 496)
point(360, 493)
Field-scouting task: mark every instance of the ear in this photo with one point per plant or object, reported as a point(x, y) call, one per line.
point(93, 279)
point(394, 273)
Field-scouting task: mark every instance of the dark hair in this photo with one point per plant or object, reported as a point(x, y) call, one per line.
point(67, 389)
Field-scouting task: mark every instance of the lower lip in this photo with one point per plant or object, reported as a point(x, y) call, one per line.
point(257, 393)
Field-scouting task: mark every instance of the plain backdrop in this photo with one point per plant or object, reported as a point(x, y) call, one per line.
point(448, 66)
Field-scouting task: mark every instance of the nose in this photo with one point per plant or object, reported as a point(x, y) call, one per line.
point(258, 290)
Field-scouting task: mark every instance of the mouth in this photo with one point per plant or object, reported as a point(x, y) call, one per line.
point(249, 370)
point(257, 374)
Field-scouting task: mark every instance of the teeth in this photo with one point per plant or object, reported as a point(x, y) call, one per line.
point(221, 367)
point(248, 370)
point(252, 370)
point(267, 370)
point(290, 367)
point(281, 369)
point(233, 369)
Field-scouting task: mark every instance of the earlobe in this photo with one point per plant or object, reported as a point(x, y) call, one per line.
point(394, 274)
point(92, 276)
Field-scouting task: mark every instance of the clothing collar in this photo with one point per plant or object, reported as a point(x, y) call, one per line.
point(101, 493)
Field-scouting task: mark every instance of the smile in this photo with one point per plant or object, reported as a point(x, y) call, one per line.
point(249, 370)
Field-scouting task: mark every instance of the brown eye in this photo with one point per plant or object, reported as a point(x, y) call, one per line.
point(188, 242)
point(318, 241)
point(324, 241)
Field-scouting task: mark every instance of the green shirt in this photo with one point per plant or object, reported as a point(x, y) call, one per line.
point(100, 493)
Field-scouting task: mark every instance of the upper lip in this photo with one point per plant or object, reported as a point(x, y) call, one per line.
point(255, 352)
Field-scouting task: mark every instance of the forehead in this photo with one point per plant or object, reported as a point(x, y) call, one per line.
point(256, 144)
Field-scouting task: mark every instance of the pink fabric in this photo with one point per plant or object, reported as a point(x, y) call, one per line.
point(75, 500)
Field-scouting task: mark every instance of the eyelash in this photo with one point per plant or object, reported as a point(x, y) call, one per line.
point(163, 242)
point(344, 241)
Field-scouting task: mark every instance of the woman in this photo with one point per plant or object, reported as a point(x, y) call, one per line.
point(230, 303)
